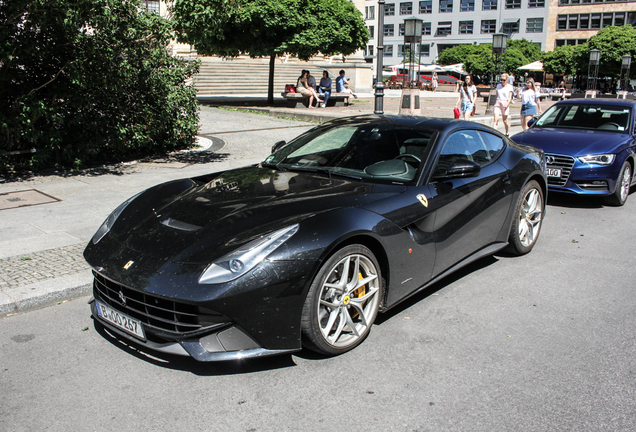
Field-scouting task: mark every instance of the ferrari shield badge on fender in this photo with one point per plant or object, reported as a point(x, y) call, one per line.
point(128, 264)
point(423, 199)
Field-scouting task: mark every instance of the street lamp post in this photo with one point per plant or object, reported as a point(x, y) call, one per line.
point(379, 82)
point(412, 36)
point(592, 70)
point(499, 43)
point(625, 66)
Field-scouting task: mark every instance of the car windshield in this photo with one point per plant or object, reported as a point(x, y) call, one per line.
point(377, 152)
point(613, 118)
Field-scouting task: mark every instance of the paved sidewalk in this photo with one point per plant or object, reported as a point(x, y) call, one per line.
point(46, 221)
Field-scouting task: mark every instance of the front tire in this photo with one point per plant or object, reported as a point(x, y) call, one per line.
point(528, 216)
point(343, 301)
point(619, 197)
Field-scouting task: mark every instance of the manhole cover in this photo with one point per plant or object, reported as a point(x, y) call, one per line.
point(24, 198)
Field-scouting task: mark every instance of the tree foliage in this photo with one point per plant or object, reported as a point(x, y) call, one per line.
point(565, 60)
point(89, 81)
point(477, 59)
point(261, 28)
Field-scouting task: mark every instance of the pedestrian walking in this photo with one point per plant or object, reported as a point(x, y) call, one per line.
point(467, 94)
point(502, 104)
point(530, 101)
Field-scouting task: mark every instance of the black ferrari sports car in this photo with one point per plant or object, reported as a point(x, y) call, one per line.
point(345, 221)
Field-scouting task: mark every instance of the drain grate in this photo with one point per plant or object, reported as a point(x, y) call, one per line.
point(24, 198)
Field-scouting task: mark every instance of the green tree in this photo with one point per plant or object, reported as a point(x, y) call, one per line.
point(262, 28)
point(565, 60)
point(613, 42)
point(86, 81)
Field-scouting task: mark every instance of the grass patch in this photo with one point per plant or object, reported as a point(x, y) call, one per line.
point(243, 110)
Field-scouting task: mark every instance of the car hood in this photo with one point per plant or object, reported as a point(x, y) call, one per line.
point(572, 142)
point(199, 219)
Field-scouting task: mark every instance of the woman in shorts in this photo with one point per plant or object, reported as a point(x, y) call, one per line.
point(529, 103)
point(502, 104)
point(467, 94)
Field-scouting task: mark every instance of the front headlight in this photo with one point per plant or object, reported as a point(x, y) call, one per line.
point(110, 220)
point(245, 258)
point(603, 159)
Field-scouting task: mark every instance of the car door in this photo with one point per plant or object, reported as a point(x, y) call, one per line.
point(470, 211)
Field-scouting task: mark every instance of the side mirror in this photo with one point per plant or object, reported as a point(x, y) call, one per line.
point(461, 168)
point(278, 145)
point(532, 121)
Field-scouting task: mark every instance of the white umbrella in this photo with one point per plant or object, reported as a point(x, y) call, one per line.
point(534, 66)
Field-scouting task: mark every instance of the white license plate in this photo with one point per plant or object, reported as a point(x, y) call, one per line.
point(553, 172)
point(120, 320)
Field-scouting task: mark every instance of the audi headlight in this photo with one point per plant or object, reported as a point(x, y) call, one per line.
point(245, 258)
point(602, 159)
point(110, 220)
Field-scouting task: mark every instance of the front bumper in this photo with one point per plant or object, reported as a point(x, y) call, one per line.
point(227, 343)
point(583, 179)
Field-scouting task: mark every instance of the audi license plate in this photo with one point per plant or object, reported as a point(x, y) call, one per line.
point(553, 172)
point(119, 320)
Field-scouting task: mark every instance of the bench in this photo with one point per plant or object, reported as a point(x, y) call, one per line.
point(296, 100)
point(557, 96)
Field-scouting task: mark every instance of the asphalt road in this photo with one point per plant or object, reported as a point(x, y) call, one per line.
point(544, 342)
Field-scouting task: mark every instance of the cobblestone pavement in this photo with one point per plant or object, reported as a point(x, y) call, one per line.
point(37, 266)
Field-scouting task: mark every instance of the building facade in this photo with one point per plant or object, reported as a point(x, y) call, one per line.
point(573, 22)
point(447, 23)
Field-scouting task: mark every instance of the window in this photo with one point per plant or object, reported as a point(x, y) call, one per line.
point(445, 5)
point(151, 6)
point(425, 50)
point(401, 50)
point(513, 4)
point(426, 29)
point(467, 5)
point(371, 31)
point(401, 30)
point(536, 3)
point(489, 5)
point(388, 50)
point(573, 22)
point(562, 22)
point(534, 25)
point(465, 27)
point(369, 12)
point(607, 19)
point(370, 50)
point(388, 30)
point(584, 21)
point(619, 18)
point(510, 27)
point(488, 26)
point(444, 28)
point(406, 8)
point(480, 147)
point(595, 23)
point(389, 9)
point(426, 7)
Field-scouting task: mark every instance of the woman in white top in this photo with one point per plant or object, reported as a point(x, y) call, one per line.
point(467, 94)
point(504, 99)
point(529, 103)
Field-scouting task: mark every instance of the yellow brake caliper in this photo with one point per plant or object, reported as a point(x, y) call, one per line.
point(360, 292)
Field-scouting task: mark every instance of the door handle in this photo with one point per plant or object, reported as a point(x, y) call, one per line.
point(507, 180)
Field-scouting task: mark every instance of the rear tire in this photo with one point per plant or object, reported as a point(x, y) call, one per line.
point(343, 301)
point(619, 197)
point(528, 217)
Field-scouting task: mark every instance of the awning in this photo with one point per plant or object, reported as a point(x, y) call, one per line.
point(534, 66)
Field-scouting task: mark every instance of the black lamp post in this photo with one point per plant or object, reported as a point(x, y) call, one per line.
point(499, 42)
point(625, 66)
point(379, 82)
point(592, 70)
point(412, 36)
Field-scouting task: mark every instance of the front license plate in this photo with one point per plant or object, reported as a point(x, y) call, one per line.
point(553, 172)
point(120, 320)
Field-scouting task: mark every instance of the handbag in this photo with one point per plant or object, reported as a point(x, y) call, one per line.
point(290, 88)
point(456, 112)
point(473, 113)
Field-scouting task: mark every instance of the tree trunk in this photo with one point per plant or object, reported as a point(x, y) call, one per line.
point(270, 86)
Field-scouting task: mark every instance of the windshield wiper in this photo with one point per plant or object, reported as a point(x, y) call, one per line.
point(274, 166)
point(325, 171)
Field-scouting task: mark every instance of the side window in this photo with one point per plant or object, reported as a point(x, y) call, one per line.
point(494, 145)
point(466, 144)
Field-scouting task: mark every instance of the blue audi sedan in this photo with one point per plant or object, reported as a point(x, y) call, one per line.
point(590, 147)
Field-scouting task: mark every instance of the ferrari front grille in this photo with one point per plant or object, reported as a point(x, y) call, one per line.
point(162, 314)
point(564, 163)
